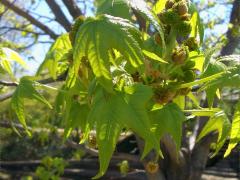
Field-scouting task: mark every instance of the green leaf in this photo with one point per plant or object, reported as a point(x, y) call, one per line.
point(235, 131)
point(6, 57)
point(11, 55)
point(169, 120)
point(196, 23)
point(52, 63)
point(219, 122)
point(213, 67)
point(76, 117)
point(159, 6)
point(142, 7)
point(198, 59)
point(25, 89)
point(203, 111)
point(118, 8)
point(6, 66)
point(99, 35)
point(108, 127)
point(230, 79)
point(201, 81)
point(112, 112)
point(153, 56)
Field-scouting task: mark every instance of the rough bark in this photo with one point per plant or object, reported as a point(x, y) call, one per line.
point(73, 8)
point(233, 40)
point(30, 18)
point(59, 15)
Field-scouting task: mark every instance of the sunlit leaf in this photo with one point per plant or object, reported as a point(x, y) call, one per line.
point(220, 123)
point(235, 131)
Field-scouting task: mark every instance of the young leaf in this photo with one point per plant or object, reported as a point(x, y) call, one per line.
point(6, 57)
point(235, 131)
point(58, 49)
point(203, 111)
point(97, 36)
point(213, 67)
point(112, 112)
point(11, 55)
point(159, 6)
point(219, 122)
point(118, 8)
point(168, 119)
point(153, 56)
point(25, 89)
point(196, 22)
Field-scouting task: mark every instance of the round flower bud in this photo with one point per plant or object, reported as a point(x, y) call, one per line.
point(182, 8)
point(180, 55)
point(152, 167)
point(189, 76)
point(192, 44)
point(169, 17)
point(169, 4)
point(183, 28)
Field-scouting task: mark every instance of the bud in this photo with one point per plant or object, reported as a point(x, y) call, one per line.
point(78, 22)
point(189, 76)
point(186, 17)
point(92, 141)
point(192, 44)
point(152, 167)
point(182, 8)
point(157, 39)
point(169, 17)
point(189, 65)
point(183, 28)
point(169, 4)
point(180, 55)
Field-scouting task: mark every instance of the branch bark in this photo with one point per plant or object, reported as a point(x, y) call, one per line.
point(59, 15)
point(73, 8)
point(30, 18)
point(233, 40)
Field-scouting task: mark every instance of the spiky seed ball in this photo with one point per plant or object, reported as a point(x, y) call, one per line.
point(189, 65)
point(192, 44)
point(182, 8)
point(183, 28)
point(124, 167)
point(186, 17)
point(152, 167)
point(92, 141)
point(169, 17)
point(169, 4)
point(189, 76)
point(180, 55)
point(78, 22)
point(164, 96)
point(157, 39)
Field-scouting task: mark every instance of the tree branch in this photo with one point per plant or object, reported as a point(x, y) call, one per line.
point(30, 18)
point(59, 15)
point(73, 8)
point(233, 39)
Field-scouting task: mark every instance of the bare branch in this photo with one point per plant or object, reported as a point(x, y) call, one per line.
point(59, 15)
point(5, 83)
point(73, 8)
point(22, 30)
point(5, 96)
point(30, 18)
